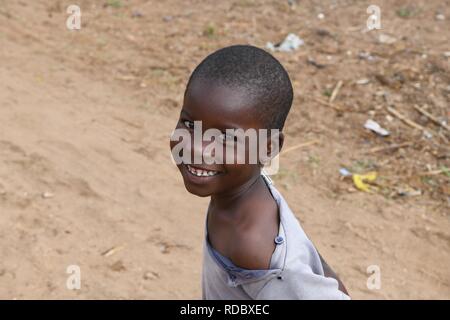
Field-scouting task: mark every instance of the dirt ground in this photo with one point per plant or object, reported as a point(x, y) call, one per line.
point(85, 117)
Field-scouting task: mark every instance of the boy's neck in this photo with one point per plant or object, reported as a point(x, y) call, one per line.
point(229, 201)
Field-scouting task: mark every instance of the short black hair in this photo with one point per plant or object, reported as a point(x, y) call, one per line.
point(257, 72)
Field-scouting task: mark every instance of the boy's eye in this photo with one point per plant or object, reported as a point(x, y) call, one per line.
point(188, 124)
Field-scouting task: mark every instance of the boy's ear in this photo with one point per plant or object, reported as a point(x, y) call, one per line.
point(274, 144)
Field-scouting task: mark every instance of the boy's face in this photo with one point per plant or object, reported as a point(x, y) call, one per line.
point(221, 108)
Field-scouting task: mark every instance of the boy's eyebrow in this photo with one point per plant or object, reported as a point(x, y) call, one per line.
point(221, 129)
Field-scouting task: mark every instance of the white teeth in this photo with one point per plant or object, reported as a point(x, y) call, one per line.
point(200, 172)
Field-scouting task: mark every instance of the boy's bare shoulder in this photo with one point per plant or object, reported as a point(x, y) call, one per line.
point(254, 242)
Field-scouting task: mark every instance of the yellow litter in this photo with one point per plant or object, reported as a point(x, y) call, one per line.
point(360, 180)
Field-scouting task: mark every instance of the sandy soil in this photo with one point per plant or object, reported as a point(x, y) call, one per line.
point(85, 173)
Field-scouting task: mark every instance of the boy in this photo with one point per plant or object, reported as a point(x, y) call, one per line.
point(254, 247)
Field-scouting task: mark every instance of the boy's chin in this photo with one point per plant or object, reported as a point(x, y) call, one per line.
point(200, 192)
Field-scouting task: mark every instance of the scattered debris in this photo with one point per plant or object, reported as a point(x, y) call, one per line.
point(386, 39)
point(431, 117)
point(335, 91)
point(375, 127)
point(112, 251)
point(164, 248)
point(407, 121)
point(360, 180)
point(137, 13)
point(118, 266)
point(427, 135)
point(344, 172)
point(385, 81)
point(291, 43)
point(324, 33)
point(407, 191)
point(326, 103)
point(47, 195)
point(362, 81)
point(151, 275)
point(390, 147)
point(443, 170)
point(315, 64)
point(365, 56)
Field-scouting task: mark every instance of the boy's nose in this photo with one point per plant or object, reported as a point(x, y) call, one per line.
point(200, 150)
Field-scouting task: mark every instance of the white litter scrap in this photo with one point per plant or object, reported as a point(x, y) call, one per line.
point(344, 172)
point(375, 127)
point(384, 38)
point(362, 81)
point(291, 43)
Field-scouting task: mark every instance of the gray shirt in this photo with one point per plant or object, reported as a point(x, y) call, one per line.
point(295, 271)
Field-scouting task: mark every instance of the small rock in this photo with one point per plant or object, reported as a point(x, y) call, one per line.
point(321, 16)
point(118, 266)
point(384, 38)
point(137, 13)
point(151, 275)
point(440, 16)
point(315, 63)
point(365, 56)
point(427, 135)
point(408, 192)
point(362, 81)
point(47, 195)
point(164, 248)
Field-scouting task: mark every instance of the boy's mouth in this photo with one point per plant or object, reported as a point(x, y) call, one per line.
point(200, 172)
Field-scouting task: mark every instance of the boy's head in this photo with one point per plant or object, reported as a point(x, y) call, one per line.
point(237, 87)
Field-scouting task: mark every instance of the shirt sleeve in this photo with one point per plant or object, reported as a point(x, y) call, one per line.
point(300, 283)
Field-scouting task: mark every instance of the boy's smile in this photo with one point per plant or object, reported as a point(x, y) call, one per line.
point(195, 175)
point(201, 171)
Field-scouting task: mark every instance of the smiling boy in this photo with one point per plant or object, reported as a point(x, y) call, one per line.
point(254, 247)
